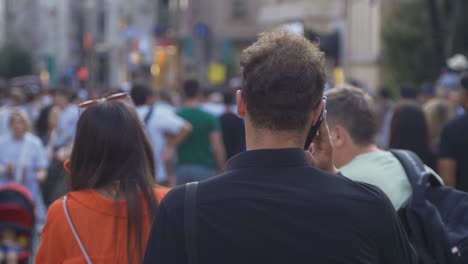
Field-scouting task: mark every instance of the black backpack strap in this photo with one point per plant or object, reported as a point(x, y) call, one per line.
point(416, 172)
point(148, 115)
point(190, 222)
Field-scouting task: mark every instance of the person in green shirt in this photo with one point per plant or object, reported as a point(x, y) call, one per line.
point(353, 127)
point(202, 153)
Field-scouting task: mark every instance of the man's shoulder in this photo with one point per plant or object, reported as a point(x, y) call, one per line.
point(356, 189)
point(373, 192)
point(174, 200)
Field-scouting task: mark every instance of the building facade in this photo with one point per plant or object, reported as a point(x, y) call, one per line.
point(348, 30)
point(97, 35)
point(2, 22)
point(212, 32)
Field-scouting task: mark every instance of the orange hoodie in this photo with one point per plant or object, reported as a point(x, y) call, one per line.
point(101, 228)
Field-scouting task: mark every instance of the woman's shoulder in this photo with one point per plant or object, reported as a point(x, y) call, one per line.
point(70, 200)
point(55, 213)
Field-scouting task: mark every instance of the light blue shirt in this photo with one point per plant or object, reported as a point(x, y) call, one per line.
point(384, 170)
point(27, 156)
point(66, 125)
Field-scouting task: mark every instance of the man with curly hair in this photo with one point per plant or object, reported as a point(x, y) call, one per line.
point(276, 203)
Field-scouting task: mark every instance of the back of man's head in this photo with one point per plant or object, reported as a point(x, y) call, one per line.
point(408, 92)
point(140, 94)
point(284, 79)
point(191, 89)
point(228, 97)
point(354, 110)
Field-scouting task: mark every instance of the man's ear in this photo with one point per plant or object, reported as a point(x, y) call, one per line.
point(241, 106)
point(339, 135)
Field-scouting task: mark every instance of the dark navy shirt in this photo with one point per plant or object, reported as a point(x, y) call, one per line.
point(271, 206)
point(454, 145)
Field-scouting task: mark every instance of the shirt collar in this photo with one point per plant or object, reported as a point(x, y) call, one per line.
point(271, 158)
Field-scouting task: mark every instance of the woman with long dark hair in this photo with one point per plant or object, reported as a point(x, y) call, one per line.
point(106, 217)
point(409, 130)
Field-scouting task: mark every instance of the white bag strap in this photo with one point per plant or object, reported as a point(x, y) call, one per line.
point(72, 227)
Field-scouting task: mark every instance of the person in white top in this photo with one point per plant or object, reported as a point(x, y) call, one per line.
point(165, 129)
point(23, 159)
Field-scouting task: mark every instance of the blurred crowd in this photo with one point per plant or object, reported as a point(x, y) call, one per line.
point(422, 121)
point(193, 136)
point(193, 131)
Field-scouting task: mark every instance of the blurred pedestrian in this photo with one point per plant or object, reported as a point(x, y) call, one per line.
point(212, 102)
point(32, 106)
point(277, 203)
point(448, 83)
point(15, 99)
point(409, 92)
point(232, 127)
point(409, 130)
point(352, 120)
point(202, 153)
point(453, 155)
point(165, 129)
point(23, 159)
point(107, 215)
point(47, 123)
point(46, 126)
point(166, 100)
point(438, 112)
point(384, 117)
point(68, 118)
point(426, 93)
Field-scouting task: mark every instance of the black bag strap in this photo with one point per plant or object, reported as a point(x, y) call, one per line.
point(148, 115)
point(190, 222)
point(416, 172)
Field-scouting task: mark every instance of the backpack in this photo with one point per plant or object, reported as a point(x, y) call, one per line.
point(435, 216)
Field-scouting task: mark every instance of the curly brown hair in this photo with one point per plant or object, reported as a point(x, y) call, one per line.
point(284, 78)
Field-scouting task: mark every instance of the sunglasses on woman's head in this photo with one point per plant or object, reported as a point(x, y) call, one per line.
point(119, 97)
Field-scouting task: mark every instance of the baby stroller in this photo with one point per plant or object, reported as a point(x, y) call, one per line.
point(16, 223)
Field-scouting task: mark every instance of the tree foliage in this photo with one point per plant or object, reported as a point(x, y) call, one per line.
point(15, 61)
point(407, 43)
point(414, 47)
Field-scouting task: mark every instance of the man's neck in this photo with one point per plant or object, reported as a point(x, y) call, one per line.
point(357, 150)
point(192, 103)
point(366, 149)
point(262, 139)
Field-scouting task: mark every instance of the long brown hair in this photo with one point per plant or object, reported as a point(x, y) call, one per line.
point(111, 146)
point(409, 131)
